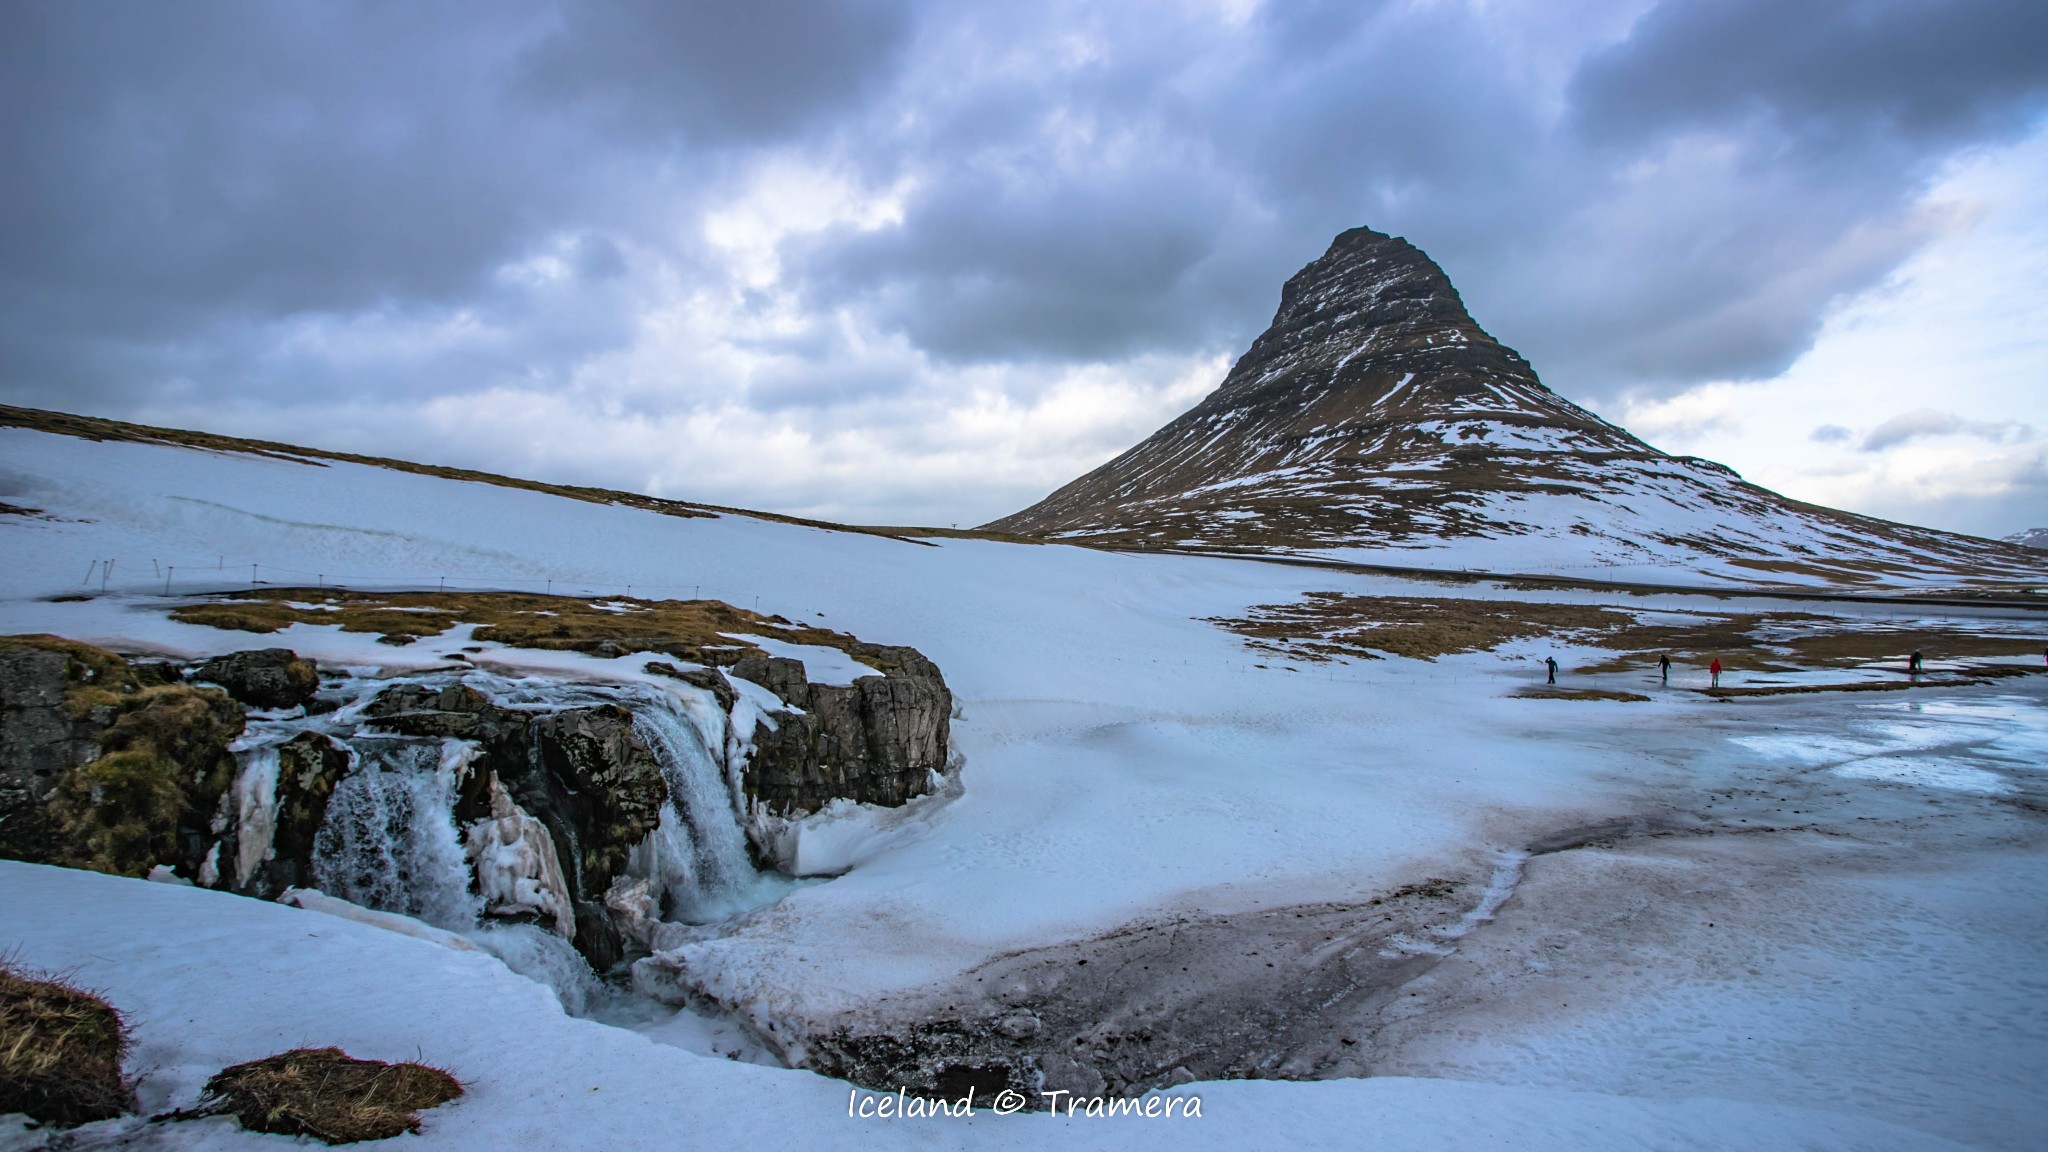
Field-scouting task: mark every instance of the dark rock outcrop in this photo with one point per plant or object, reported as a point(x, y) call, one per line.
point(879, 740)
point(102, 769)
point(40, 741)
point(706, 678)
point(309, 765)
point(263, 678)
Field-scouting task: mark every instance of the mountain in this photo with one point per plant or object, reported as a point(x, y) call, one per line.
point(1376, 420)
point(2031, 538)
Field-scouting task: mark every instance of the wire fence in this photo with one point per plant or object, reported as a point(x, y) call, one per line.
point(196, 576)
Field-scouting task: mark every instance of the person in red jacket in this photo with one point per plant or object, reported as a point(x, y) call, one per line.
point(1715, 668)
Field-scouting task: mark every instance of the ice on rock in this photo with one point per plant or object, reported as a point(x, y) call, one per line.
point(517, 870)
point(255, 809)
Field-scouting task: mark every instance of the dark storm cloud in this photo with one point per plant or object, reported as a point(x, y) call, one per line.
point(715, 70)
point(1212, 168)
point(262, 202)
point(174, 175)
point(1917, 70)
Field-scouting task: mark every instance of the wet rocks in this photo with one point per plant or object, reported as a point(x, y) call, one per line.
point(880, 740)
point(582, 773)
point(309, 766)
point(263, 678)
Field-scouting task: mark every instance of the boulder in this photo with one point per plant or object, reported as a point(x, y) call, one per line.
point(263, 678)
point(708, 679)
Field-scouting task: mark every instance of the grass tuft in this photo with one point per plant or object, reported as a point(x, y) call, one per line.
point(327, 1094)
point(61, 1049)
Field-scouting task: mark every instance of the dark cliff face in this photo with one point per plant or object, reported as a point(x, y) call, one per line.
point(878, 740)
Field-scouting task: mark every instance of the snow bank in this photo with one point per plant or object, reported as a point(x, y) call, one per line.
point(210, 979)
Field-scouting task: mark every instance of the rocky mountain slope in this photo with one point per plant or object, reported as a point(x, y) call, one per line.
point(1376, 416)
point(2031, 538)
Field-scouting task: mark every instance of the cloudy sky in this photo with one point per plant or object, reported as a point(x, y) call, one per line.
point(922, 262)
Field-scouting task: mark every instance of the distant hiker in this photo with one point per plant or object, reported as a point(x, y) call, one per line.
point(1664, 668)
point(1550, 662)
point(1913, 663)
point(1715, 668)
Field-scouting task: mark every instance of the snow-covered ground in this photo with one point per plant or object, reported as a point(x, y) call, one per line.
point(1866, 973)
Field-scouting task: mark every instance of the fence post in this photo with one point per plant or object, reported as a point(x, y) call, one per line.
point(168, 570)
point(89, 570)
point(106, 570)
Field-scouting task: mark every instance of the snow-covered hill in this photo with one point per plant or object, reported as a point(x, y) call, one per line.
point(2031, 538)
point(1376, 421)
point(1805, 921)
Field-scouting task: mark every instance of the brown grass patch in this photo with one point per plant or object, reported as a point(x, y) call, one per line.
point(327, 1094)
point(84, 667)
point(61, 1049)
point(1326, 625)
point(1838, 571)
point(694, 630)
point(1934, 643)
point(1547, 692)
point(1329, 625)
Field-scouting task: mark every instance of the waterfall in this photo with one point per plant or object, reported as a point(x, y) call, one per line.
point(389, 840)
point(701, 869)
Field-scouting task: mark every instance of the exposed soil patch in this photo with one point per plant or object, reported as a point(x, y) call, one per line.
point(1326, 625)
point(1286, 993)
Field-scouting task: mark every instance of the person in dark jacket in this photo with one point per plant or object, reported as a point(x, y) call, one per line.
point(1664, 668)
point(1913, 663)
point(1550, 662)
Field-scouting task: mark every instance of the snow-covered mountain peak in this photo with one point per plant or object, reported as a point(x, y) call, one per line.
point(1375, 416)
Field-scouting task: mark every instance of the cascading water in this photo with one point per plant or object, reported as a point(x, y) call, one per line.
point(389, 840)
point(701, 868)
